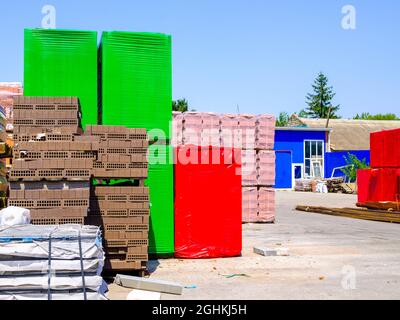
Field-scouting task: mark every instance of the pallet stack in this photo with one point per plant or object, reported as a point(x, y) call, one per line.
point(379, 187)
point(258, 172)
point(51, 171)
point(121, 208)
point(255, 136)
point(3, 154)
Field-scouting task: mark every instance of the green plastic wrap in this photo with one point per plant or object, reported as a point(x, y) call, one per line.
point(62, 63)
point(161, 184)
point(136, 77)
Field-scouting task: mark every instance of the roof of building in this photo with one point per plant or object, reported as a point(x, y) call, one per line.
point(302, 129)
point(346, 134)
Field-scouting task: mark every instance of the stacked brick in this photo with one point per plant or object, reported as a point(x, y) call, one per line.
point(63, 176)
point(255, 136)
point(51, 172)
point(36, 115)
point(121, 211)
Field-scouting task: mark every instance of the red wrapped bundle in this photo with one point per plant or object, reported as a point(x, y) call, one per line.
point(385, 149)
point(208, 202)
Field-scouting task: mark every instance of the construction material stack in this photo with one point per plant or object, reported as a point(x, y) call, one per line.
point(379, 187)
point(51, 171)
point(62, 63)
point(136, 92)
point(119, 201)
point(208, 205)
point(4, 152)
point(51, 263)
point(8, 90)
point(254, 135)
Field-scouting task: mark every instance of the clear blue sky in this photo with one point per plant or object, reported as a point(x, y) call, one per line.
point(261, 55)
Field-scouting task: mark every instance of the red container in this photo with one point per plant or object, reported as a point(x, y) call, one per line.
point(363, 182)
point(385, 149)
point(208, 202)
point(378, 185)
point(376, 146)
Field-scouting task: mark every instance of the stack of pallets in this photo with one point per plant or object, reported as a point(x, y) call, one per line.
point(51, 171)
point(121, 210)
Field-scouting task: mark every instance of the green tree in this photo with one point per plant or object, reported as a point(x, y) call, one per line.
point(181, 105)
point(320, 101)
point(282, 120)
point(379, 116)
point(353, 164)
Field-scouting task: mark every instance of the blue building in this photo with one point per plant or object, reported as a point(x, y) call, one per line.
point(300, 153)
point(315, 148)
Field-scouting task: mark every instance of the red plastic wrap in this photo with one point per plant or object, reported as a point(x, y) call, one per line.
point(378, 185)
point(385, 149)
point(363, 182)
point(208, 203)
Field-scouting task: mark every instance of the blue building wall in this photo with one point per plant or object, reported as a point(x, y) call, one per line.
point(293, 142)
point(336, 159)
point(283, 169)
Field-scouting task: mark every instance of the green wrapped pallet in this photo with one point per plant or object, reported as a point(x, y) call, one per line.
point(63, 63)
point(136, 75)
point(136, 92)
point(161, 184)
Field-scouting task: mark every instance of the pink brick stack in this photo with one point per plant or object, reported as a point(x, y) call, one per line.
point(229, 124)
point(265, 132)
point(210, 130)
point(249, 204)
point(255, 136)
point(266, 167)
point(177, 128)
point(266, 204)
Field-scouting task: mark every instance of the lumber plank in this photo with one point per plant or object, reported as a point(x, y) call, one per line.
point(364, 214)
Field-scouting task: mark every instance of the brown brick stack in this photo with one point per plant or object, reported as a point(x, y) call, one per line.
point(122, 211)
point(51, 171)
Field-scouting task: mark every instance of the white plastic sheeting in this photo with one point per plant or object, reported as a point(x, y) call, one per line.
point(12, 216)
point(57, 283)
point(55, 296)
point(8, 267)
point(57, 262)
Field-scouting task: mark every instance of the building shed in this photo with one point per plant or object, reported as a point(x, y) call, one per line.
point(300, 153)
point(346, 137)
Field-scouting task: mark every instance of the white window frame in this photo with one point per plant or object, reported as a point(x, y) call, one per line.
point(311, 160)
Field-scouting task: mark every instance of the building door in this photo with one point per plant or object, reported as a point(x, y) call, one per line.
point(297, 172)
point(283, 169)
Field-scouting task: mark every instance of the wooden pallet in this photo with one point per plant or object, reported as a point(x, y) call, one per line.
point(364, 214)
point(387, 206)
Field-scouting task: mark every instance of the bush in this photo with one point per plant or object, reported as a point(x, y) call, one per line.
point(353, 164)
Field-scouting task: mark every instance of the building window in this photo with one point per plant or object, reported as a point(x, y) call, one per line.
point(314, 158)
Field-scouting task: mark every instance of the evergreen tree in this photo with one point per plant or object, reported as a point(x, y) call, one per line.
point(180, 105)
point(320, 101)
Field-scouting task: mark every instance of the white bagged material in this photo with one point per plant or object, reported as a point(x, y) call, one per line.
point(29, 295)
point(15, 267)
point(56, 262)
point(12, 216)
point(60, 249)
point(92, 283)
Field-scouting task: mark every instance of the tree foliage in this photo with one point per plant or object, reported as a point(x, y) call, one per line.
point(320, 101)
point(282, 120)
point(379, 116)
point(180, 105)
point(353, 164)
